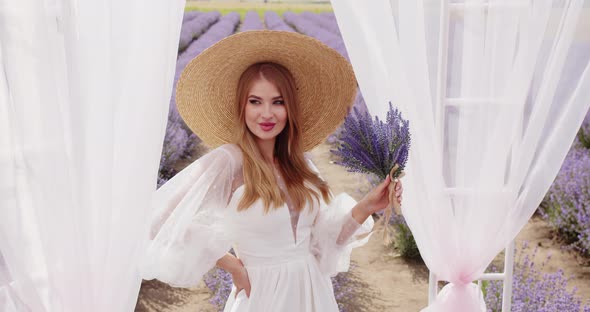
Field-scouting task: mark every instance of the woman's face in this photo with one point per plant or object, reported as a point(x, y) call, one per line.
point(266, 115)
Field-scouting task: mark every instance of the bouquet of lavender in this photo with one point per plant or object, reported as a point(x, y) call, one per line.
point(372, 146)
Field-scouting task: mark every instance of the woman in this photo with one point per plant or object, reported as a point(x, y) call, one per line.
point(261, 108)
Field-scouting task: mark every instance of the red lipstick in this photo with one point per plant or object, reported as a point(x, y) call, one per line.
point(267, 126)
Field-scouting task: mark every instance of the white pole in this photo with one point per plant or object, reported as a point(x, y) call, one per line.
point(508, 277)
point(432, 287)
point(443, 59)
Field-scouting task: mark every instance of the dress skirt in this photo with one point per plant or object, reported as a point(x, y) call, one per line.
point(296, 284)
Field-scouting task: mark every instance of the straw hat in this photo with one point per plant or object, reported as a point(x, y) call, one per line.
point(325, 82)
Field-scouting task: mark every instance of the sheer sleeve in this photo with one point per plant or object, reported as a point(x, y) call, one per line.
point(335, 232)
point(187, 229)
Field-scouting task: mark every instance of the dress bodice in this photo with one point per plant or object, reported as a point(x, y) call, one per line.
point(266, 238)
point(294, 213)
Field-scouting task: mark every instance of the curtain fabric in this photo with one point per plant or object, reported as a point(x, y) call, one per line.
point(495, 92)
point(84, 93)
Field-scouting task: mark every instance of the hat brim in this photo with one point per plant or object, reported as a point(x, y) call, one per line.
point(325, 82)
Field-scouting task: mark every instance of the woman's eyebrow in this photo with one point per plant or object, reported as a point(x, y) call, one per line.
point(257, 97)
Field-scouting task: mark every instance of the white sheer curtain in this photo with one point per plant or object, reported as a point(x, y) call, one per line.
point(84, 93)
point(492, 114)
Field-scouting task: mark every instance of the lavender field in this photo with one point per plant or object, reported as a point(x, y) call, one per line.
point(384, 280)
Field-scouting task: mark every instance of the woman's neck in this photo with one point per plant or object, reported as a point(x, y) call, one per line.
point(267, 148)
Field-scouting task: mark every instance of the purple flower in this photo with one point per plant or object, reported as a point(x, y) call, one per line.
point(372, 146)
point(224, 27)
point(190, 15)
point(219, 283)
point(274, 22)
point(310, 28)
point(567, 203)
point(533, 290)
point(196, 26)
point(252, 21)
point(325, 20)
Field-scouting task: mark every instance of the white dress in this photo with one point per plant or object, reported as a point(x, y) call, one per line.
point(289, 257)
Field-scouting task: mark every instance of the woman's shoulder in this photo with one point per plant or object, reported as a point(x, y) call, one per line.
point(233, 152)
point(227, 158)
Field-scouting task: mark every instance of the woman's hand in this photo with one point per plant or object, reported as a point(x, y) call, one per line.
point(378, 198)
point(399, 190)
point(241, 279)
point(238, 272)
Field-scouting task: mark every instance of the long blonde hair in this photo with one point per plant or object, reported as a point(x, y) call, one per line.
point(259, 180)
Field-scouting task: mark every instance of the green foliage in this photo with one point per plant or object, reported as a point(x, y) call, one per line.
point(405, 243)
point(584, 137)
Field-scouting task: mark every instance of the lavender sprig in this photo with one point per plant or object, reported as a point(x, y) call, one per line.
point(373, 146)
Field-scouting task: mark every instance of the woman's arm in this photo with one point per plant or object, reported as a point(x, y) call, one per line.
point(239, 274)
point(360, 212)
point(370, 204)
point(229, 263)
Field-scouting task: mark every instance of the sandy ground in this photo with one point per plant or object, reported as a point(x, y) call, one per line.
point(401, 285)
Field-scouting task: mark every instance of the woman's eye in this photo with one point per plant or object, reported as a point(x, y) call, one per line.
point(254, 102)
point(280, 102)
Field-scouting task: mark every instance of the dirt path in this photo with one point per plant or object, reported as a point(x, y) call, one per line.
point(197, 302)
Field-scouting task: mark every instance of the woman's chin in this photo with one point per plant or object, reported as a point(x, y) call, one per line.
point(266, 137)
